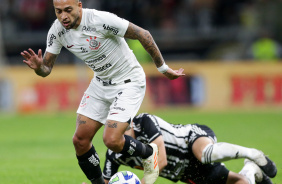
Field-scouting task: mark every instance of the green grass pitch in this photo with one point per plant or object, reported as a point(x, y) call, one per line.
point(37, 149)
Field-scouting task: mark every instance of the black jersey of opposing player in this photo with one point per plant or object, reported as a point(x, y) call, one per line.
point(147, 128)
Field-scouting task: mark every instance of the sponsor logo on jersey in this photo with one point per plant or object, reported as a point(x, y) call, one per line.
point(88, 29)
point(61, 33)
point(93, 61)
point(50, 40)
point(103, 68)
point(93, 43)
point(69, 46)
point(119, 108)
point(83, 50)
point(111, 28)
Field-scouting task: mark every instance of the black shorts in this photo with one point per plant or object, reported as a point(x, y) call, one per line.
point(198, 131)
point(198, 173)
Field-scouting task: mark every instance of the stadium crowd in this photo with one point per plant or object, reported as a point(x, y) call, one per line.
point(184, 29)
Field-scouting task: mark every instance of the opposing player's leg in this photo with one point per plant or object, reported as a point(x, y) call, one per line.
point(116, 141)
point(207, 150)
point(234, 178)
point(254, 174)
point(225, 151)
point(87, 156)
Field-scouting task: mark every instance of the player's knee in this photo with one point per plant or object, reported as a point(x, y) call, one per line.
point(237, 178)
point(207, 154)
point(80, 143)
point(112, 143)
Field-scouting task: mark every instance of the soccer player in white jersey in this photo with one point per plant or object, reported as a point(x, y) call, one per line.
point(117, 88)
point(190, 153)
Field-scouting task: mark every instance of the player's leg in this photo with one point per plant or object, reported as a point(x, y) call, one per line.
point(207, 150)
point(254, 174)
point(125, 105)
point(225, 151)
point(87, 156)
point(116, 141)
point(91, 112)
point(234, 178)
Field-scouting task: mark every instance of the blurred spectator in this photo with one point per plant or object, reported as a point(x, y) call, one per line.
point(182, 28)
point(265, 48)
point(35, 13)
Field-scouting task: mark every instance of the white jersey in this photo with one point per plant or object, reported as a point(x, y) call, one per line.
point(99, 42)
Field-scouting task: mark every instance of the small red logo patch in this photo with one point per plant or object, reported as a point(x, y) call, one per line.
point(83, 101)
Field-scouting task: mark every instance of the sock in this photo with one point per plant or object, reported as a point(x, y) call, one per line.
point(90, 165)
point(219, 152)
point(249, 172)
point(98, 180)
point(133, 147)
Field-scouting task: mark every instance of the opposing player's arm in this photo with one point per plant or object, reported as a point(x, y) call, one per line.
point(146, 39)
point(162, 159)
point(41, 65)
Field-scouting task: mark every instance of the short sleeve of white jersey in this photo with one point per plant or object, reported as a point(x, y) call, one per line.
point(53, 44)
point(111, 23)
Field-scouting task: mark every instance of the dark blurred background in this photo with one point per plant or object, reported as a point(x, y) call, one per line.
point(195, 30)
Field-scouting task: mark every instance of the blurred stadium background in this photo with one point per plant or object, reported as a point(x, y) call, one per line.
point(230, 50)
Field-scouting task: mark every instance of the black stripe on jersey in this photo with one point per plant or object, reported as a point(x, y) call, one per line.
point(176, 147)
point(180, 137)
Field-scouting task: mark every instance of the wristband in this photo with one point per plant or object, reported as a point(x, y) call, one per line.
point(163, 68)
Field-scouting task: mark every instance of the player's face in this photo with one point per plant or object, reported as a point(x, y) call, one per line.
point(68, 12)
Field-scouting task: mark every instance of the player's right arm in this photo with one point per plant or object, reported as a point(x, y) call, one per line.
point(41, 65)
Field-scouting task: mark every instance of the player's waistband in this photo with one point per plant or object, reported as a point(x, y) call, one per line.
point(109, 83)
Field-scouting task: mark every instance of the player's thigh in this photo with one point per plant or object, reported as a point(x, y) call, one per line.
point(94, 107)
point(126, 102)
point(234, 178)
point(200, 136)
point(199, 146)
point(114, 131)
point(86, 128)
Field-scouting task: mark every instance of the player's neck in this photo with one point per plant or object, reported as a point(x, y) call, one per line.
point(79, 20)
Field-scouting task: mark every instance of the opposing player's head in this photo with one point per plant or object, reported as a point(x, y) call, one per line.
point(68, 12)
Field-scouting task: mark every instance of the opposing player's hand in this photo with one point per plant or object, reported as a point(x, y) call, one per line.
point(33, 60)
point(174, 74)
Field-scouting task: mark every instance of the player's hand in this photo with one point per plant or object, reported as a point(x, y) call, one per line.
point(33, 60)
point(174, 74)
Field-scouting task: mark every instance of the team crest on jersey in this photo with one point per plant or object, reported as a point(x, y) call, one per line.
point(93, 43)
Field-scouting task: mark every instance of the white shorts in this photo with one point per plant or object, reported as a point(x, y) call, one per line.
point(113, 102)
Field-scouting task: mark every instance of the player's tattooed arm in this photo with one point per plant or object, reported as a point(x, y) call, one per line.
point(41, 66)
point(146, 39)
point(47, 65)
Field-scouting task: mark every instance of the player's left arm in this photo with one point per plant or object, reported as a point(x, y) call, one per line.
point(146, 39)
